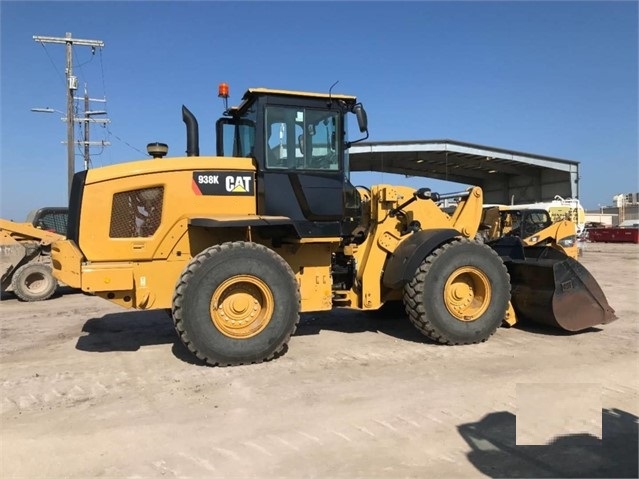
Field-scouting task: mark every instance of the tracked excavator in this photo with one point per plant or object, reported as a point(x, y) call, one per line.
point(236, 245)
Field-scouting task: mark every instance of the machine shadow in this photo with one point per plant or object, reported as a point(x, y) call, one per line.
point(132, 330)
point(392, 320)
point(65, 291)
point(6, 295)
point(389, 321)
point(59, 292)
point(495, 453)
point(546, 330)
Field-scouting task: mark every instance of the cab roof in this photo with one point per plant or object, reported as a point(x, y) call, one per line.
point(251, 93)
point(268, 91)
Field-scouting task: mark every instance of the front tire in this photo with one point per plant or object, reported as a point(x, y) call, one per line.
point(33, 282)
point(459, 294)
point(236, 303)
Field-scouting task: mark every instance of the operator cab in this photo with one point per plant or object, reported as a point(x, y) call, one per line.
point(525, 223)
point(299, 142)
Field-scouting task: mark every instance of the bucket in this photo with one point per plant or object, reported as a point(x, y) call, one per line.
point(551, 288)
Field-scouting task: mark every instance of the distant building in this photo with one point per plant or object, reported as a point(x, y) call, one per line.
point(626, 199)
point(626, 208)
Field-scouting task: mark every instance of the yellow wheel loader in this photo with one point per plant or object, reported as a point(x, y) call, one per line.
point(25, 248)
point(541, 256)
point(237, 245)
point(535, 227)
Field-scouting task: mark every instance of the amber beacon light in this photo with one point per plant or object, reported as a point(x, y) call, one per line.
point(223, 90)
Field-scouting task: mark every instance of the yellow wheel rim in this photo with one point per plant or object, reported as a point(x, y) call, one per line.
point(242, 306)
point(467, 293)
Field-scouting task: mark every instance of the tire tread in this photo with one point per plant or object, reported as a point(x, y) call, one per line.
point(16, 283)
point(194, 265)
point(414, 290)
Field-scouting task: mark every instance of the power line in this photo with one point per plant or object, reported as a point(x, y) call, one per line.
point(107, 127)
point(52, 62)
point(102, 70)
point(71, 85)
point(123, 141)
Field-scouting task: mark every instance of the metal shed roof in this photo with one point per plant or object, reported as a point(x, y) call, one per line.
point(455, 158)
point(492, 168)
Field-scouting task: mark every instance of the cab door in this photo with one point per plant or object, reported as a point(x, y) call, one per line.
point(303, 177)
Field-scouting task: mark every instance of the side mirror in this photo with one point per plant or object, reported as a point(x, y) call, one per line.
point(362, 119)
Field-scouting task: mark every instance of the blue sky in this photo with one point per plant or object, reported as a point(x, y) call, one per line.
point(550, 78)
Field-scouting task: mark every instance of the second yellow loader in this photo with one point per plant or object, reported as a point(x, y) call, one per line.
point(25, 253)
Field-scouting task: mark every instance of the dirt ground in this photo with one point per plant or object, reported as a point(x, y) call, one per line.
point(91, 390)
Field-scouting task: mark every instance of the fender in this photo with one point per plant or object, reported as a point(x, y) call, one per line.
point(242, 221)
point(402, 264)
point(225, 221)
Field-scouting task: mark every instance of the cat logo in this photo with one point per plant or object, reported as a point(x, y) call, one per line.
point(238, 184)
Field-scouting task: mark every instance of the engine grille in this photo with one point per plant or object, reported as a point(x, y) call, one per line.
point(136, 213)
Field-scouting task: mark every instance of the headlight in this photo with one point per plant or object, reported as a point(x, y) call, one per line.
point(568, 241)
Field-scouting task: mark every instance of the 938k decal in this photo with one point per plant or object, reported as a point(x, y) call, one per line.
point(223, 183)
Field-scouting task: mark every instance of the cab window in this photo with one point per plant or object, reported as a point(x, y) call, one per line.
point(302, 138)
point(236, 136)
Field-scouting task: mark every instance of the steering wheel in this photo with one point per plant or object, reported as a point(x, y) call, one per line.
point(324, 162)
point(530, 228)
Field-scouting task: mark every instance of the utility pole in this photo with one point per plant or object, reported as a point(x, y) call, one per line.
point(87, 157)
point(72, 85)
point(87, 120)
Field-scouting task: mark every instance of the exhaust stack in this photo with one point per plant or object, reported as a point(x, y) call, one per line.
point(192, 134)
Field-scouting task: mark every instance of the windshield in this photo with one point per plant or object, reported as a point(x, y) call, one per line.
point(237, 135)
point(524, 222)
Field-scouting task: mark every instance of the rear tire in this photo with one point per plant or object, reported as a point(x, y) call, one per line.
point(459, 294)
point(33, 282)
point(236, 303)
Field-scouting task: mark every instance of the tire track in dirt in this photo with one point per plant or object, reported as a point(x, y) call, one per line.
point(269, 452)
point(42, 391)
point(60, 390)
